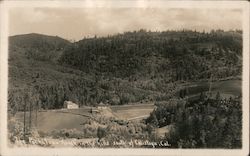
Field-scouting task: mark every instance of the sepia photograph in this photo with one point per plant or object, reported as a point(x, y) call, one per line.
point(117, 75)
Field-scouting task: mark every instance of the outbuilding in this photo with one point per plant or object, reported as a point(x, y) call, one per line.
point(70, 105)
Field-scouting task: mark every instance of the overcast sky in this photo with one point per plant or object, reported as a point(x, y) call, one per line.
point(76, 23)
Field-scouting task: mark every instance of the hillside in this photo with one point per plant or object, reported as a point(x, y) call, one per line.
point(184, 55)
point(135, 66)
point(37, 46)
point(34, 73)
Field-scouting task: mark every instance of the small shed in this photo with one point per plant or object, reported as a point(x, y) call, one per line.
point(70, 105)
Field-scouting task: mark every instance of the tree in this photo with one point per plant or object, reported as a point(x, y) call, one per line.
point(202, 96)
point(152, 119)
point(24, 115)
point(218, 97)
point(30, 116)
point(101, 132)
point(85, 93)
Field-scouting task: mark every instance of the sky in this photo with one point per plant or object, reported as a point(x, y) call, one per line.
point(77, 23)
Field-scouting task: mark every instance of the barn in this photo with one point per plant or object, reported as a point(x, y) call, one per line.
point(70, 105)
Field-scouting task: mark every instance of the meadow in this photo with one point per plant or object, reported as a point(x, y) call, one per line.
point(50, 120)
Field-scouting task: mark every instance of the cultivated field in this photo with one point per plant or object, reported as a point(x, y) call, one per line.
point(74, 118)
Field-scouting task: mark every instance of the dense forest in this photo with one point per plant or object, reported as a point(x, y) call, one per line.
point(137, 66)
point(203, 123)
point(158, 54)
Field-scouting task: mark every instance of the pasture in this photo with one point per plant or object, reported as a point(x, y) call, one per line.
point(50, 120)
point(54, 120)
point(131, 112)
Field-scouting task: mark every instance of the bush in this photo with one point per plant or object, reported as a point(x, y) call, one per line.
point(101, 132)
point(15, 129)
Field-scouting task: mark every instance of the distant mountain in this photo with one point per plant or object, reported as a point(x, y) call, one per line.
point(130, 67)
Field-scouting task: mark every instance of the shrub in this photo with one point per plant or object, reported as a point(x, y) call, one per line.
point(101, 132)
point(15, 129)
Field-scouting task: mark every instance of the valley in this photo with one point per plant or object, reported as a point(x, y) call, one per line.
point(144, 85)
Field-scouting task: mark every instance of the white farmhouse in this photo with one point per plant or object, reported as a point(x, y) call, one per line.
point(70, 105)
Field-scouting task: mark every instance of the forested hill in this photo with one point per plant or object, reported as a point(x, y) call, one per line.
point(37, 46)
point(129, 67)
point(182, 55)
